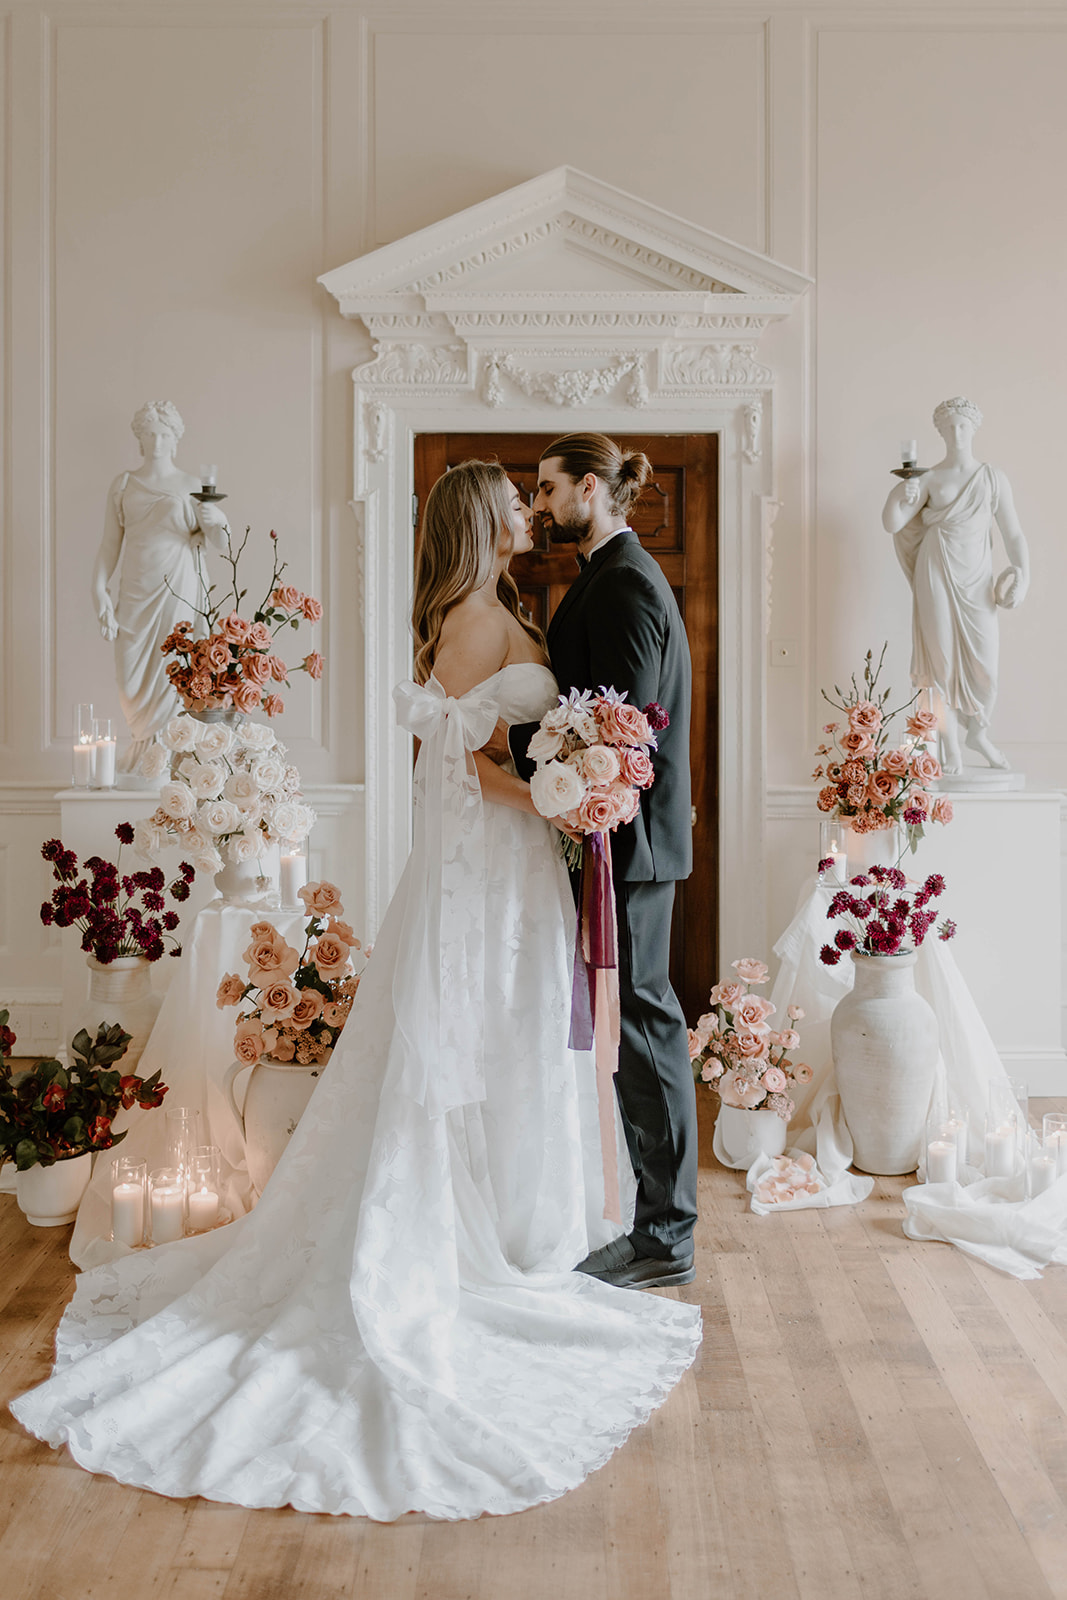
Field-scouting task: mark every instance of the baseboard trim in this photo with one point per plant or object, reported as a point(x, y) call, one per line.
point(1043, 1071)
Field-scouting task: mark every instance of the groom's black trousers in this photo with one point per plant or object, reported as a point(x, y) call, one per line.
point(654, 1082)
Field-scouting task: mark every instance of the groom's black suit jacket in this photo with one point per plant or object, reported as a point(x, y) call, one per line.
point(618, 626)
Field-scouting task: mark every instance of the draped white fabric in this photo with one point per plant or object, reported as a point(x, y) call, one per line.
point(395, 1327)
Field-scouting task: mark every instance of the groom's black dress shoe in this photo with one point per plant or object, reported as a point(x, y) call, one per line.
point(620, 1264)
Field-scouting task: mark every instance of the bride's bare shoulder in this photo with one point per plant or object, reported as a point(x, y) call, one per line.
point(473, 646)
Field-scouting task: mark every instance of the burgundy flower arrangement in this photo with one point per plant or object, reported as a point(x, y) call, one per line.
point(234, 662)
point(118, 914)
point(50, 1112)
point(890, 919)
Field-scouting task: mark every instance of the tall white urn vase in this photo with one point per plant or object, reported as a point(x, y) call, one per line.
point(275, 1097)
point(884, 1040)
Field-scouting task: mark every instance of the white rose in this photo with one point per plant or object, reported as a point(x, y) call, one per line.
point(154, 762)
point(292, 781)
point(241, 787)
point(268, 772)
point(187, 766)
point(585, 726)
point(216, 740)
point(180, 733)
point(305, 820)
point(556, 788)
point(256, 736)
point(207, 861)
point(557, 720)
point(177, 800)
point(245, 846)
point(281, 819)
point(149, 842)
point(218, 816)
point(600, 764)
point(206, 781)
point(545, 744)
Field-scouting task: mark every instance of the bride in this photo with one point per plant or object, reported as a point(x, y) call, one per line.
point(396, 1327)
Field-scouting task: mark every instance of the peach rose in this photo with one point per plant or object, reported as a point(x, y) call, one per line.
point(278, 669)
point(343, 931)
point(269, 960)
point(308, 1009)
point(943, 810)
point(925, 767)
point(597, 812)
point(312, 609)
point(749, 1044)
point(248, 1041)
point(637, 769)
point(246, 696)
point(218, 654)
point(727, 994)
point(696, 1044)
point(274, 705)
point(895, 762)
point(279, 1000)
point(287, 597)
point(256, 667)
point(918, 800)
point(737, 1091)
point(260, 636)
point(865, 716)
point(313, 664)
point(624, 724)
point(858, 742)
point(752, 1013)
point(882, 786)
point(235, 628)
point(322, 899)
point(600, 764)
point(230, 991)
point(750, 970)
point(330, 956)
point(922, 724)
point(627, 801)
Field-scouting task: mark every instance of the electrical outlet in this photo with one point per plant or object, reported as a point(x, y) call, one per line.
point(783, 653)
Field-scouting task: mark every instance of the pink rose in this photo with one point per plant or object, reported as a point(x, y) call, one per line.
point(235, 628)
point(627, 801)
point(322, 899)
point(246, 696)
point(751, 1045)
point(637, 769)
point(274, 705)
point(623, 724)
point(727, 994)
point(307, 1010)
point(248, 1046)
point(279, 1000)
point(925, 768)
point(230, 991)
point(312, 609)
point(218, 654)
point(865, 716)
point(288, 597)
point(269, 960)
point(313, 664)
point(278, 669)
point(260, 636)
point(600, 764)
point(343, 931)
point(737, 1091)
point(918, 800)
point(943, 810)
point(752, 1013)
point(255, 667)
point(597, 812)
point(895, 762)
point(775, 1080)
point(882, 786)
point(857, 742)
point(330, 956)
point(922, 724)
point(750, 971)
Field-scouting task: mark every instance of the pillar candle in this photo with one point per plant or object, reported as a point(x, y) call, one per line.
point(941, 1161)
point(203, 1210)
point(168, 1215)
point(82, 770)
point(127, 1214)
point(104, 764)
point(1000, 1153)
point(1040, 1171)
point(292, 876)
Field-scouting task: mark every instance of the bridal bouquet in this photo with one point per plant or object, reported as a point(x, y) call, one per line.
point(233, 663)
point(869, 780)
point(230, 792)
point(297, 1000)
point(890, 919)
point(736, 1052)
point(118, 914)
point(592, 755)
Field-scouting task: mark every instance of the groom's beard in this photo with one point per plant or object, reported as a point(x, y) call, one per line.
point(569, 528)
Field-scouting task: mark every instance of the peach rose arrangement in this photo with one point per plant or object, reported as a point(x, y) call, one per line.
point(233, 663)
point(231, 794)
point(736, 1052)
point(592, 755)
point(297, 1001)
point(868, 779)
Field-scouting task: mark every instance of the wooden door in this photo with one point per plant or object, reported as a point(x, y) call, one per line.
point(676, 519)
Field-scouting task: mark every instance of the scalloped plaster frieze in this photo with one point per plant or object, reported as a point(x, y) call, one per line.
point(575, 386)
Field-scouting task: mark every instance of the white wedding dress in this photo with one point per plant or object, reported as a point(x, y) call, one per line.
point(396, 1327)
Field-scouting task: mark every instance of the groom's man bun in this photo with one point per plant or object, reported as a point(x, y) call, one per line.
point(624, 473)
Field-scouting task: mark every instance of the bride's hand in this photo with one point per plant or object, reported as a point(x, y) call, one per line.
point(496, 746)
point(572, 833)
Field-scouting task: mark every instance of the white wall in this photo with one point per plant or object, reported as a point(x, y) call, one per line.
point(181, 172)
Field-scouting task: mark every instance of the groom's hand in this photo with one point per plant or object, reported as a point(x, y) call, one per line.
point(496, 746)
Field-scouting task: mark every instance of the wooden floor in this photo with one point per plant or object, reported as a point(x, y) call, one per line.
point(868, 1417)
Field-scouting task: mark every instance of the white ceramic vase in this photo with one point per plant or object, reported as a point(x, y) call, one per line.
point(243, 883)
point(741, 1136)
point(121, 992)
point(884, 1040)
point(275, 1097)
point(50, 1196)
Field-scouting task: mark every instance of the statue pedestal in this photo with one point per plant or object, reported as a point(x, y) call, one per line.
point(1001, 857)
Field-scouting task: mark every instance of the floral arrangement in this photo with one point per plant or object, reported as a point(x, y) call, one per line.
point(873, 784)
point(592, 756)
point(119, 914)
point(51, 1112)
point(890, 919)
point(230, 793)
point(233, 662)
point(736, 1052)
point(299, 1000)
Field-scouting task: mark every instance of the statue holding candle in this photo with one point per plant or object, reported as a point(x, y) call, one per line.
point(942, 523)
point(154, 532)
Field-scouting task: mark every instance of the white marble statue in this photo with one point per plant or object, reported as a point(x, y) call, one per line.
point(942, 527)
point(153, 533)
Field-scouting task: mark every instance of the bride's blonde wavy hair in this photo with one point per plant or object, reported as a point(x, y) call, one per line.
point(466, 511)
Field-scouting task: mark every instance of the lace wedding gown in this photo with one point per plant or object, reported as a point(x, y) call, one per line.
point(396, 1326)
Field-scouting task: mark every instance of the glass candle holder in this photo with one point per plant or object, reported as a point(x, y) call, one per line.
point(129, 1187)
point(167, 1206)
point(832, 847)
point(183, 1138)
point(203, 1197)
point(104, 747)
point(1003, 1132)
point(1040, 1166)
point(1054, 1138)
point(81, 770)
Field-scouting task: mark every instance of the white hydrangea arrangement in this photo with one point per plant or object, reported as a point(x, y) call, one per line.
point(231, 794)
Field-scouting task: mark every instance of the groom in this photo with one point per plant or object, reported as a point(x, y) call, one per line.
point(618, 626)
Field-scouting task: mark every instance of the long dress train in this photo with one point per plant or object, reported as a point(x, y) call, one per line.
point(396, 1326)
